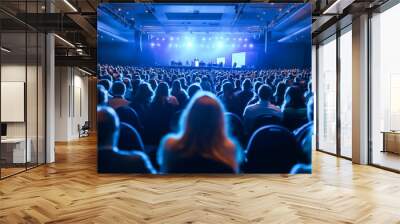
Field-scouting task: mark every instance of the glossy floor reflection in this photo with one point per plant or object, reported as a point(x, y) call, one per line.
point(71, 191)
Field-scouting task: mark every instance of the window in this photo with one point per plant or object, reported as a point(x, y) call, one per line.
point(327, 96)
point(385, 88)
point(346, 93)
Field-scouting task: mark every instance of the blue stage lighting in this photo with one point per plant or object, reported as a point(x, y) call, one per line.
point(170, 45)
point(158, 44)
point(244, 45)
point(240, 39)
point(171, 38)
point(251, 45)
point(245, 39)
point(203, 39)
point(220, 44)
point(189, 44)
point(152, 44)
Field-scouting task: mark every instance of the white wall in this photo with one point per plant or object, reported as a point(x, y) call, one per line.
point(33, 127)
point(16, 73)
point(71, 102)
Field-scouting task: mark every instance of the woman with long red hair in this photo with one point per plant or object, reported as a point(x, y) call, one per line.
point(203, 144)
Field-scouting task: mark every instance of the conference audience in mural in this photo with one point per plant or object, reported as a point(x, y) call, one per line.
point(204, 120)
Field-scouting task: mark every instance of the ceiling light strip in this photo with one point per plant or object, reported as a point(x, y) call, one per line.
point(5, 50)
point(70, 5)
point(64, 40)
point(84, 71)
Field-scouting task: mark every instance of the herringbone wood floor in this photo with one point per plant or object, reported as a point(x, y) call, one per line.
point(70, 191)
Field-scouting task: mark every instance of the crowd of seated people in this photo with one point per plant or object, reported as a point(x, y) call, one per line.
point(177, 120)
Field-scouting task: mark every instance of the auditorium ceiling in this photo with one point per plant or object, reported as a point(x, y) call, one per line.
point(170, 18)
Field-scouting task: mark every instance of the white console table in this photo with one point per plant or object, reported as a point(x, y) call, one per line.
point(17, 146)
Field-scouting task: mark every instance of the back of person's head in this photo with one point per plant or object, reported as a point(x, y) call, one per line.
point(135, 83)
point(128, 115)
point(105, 83)
point(203, 129)
point(107, 77)
point(102, 95)
point(107, 127)
point(294, 98)
point(280, 89)
point(143, 93)
point(310, 109)
point(128, 83)
point(205, 85)
point(257, 86)
point(118, 89)
point(265, 92)
point(161, 92)
point(204, 112)
point(153, 83)
point(192, 90)
point(247, 85)
point(176, 87)
point(228, 89)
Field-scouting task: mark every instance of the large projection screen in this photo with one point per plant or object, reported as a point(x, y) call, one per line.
point(12, 101)
point(239, 59)
point(221, 60)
